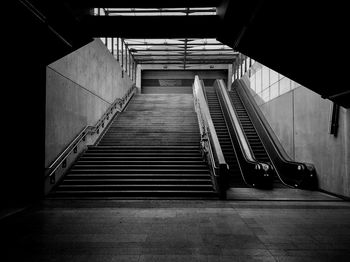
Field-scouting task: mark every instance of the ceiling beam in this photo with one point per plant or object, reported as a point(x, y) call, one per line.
point(185, 50)
point(142, 3)
point(180, 50)
point(210, 10)
point(188, 62)
point(148, 26)
point(181, 59)
point(175, 44)
point(188, 55)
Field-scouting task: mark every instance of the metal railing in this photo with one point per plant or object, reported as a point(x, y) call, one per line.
point(60, 160)
point(209, 141)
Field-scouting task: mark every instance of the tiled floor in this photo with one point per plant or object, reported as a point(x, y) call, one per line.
point(93, 230)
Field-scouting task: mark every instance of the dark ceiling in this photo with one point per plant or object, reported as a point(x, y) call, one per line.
point(303, 40)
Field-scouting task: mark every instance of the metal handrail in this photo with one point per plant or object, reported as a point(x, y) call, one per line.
point(206, 120)
point(205, 138)
point(240, 134)
point(74, 141)
point(51, 169)
point(214, 166)
point(209, 140)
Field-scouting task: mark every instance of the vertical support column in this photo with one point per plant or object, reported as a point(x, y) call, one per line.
point(135, 70)
point(138, 78)
point(126, 59)
point(122, 53)
point(117, 49)
point(236, 69)
point(112, 46)
point(130, 73)
point(240, 65)
point(229, 77)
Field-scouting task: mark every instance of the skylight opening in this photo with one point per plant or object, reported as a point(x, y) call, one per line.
point(203, 11)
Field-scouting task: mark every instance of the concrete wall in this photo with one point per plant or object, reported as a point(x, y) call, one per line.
point(300, 119)
point(79, 89)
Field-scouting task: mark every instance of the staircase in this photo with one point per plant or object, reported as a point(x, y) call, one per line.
point(151, 150)
point(253, 138)
point(235, 177)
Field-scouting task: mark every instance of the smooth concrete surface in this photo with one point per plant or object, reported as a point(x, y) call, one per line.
point(279, 114)
point(278, 194)
point(79, 89)
point(210, 231)
point(300, 119)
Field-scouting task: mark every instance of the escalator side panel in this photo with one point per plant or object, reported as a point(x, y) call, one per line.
point(252, 136)
point(235, 177)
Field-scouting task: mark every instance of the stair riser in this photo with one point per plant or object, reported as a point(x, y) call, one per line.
point(150, 150)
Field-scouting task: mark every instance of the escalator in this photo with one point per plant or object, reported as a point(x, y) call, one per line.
point(249, 144)
point(264, 143)
point(252, 136)
point(235, 176)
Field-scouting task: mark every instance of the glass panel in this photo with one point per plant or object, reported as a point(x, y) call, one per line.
point(284, 85)
point(294, 84)
point(258, 81)
point(265, 77)
point(265, 95)
point(273, 76)
point(252, 83)
point(120, 50)
point(109, 44)
point(274, 91)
